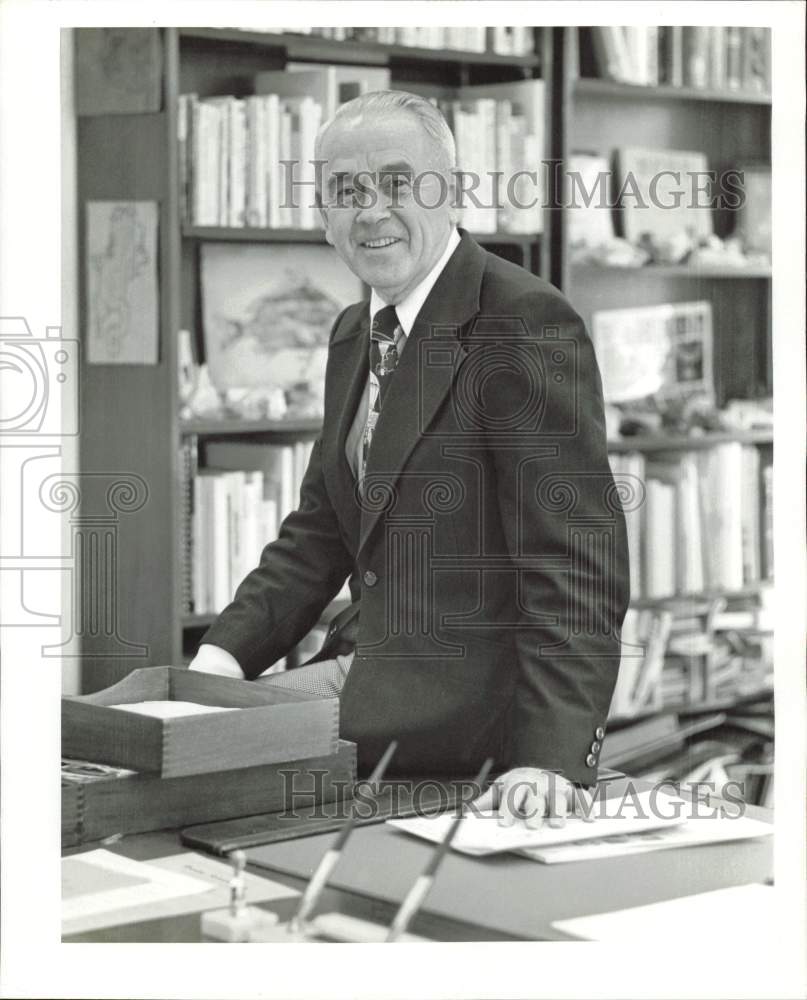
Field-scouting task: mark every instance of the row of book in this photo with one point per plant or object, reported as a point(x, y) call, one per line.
point(706, 751)
point(251, 162)
point(518, 40)
point(700, 652)
point(706, 523)
point(706, 58)
point(234, 506)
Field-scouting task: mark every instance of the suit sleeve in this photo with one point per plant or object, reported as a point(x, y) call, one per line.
point(279, 602)
point(561, 518)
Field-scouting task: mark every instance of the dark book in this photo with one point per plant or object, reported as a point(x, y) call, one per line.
point(100, 802)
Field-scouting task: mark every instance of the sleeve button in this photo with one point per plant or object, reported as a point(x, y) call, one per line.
point(591, 760)
point(599, 733)
point(595, 747)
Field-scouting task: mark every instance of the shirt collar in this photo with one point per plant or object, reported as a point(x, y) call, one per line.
point(408, 308)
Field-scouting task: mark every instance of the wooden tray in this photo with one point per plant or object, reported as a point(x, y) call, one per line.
point(131, 802)
point(273, 724)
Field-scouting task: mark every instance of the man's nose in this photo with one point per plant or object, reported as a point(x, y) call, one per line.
point(375, 209)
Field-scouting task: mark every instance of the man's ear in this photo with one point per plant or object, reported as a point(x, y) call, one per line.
point(452, 187)
point(323, 213)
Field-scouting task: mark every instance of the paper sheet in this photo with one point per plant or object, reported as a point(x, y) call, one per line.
point(99, 881)
point(171, 709)
point(712, 830)
point(480, 833)
point(736, 915)
point(210, 876)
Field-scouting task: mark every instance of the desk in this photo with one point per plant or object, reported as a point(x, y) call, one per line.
point(502, 898)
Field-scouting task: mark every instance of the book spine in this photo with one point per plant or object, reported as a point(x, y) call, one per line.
point(734, 53)
point(767, 520)
point(696, 57)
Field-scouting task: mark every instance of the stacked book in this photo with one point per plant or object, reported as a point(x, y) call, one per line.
point(499, 134)
point(714, 58)
point(705, 523)
point(506, 41)
point(681, 655)
point(236, 506)
point(251, 161)
point(707, 750)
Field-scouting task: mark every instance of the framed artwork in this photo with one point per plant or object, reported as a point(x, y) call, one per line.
point(663, 352)
point(268, 310)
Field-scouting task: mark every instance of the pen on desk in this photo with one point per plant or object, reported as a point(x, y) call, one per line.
point(423, 883)
point(332, 855)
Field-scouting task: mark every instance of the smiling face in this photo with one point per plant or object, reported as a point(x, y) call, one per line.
point(380, 175)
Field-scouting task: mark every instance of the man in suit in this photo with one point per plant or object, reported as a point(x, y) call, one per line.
point(460, 481)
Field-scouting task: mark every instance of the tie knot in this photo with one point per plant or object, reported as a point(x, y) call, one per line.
point(384, 323)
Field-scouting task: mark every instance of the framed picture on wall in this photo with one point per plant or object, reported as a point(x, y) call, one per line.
point(268, 310)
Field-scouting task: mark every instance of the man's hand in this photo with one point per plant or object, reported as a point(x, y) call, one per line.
point(534, 795)
point(212, 659)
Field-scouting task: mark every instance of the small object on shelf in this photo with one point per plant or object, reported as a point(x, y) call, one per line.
point(615, 252)
point(205, 400)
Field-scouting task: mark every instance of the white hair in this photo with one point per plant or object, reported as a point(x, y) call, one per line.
point(386, 102)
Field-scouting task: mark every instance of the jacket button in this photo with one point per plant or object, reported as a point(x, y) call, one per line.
point(595, 747)
point(591, 760)
point(370, 578)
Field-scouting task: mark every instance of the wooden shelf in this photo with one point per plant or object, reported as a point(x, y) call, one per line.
point(255, 234)
point(233, 426)
point(313, 48)
point(611, 89)
point(661, 442)
point(723, 705)
point(585, 272)
point(752, 590)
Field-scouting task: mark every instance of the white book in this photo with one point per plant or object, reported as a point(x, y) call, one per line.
point(272, 184)
point(286, 210)
point(751, 513)
point(256, 163)
point(723, 523)
point(661, 539)
point(238, 163)
point(690, 548)
point(199, 547)
point(220, 542)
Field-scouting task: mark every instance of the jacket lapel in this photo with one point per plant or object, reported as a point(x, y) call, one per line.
point(345, 381)
point(423, 378)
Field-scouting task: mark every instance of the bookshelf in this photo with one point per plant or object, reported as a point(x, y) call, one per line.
point(124, 157)
point(598, 116)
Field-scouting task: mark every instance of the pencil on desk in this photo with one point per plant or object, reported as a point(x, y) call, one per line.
point(423, 883)
point(331, 857)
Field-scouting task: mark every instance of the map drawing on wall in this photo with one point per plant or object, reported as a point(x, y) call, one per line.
point(122, 294)
point(268, 312)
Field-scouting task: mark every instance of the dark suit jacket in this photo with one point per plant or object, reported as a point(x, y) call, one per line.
point(488, 552)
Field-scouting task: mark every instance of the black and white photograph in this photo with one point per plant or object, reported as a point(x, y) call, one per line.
point(402, 432)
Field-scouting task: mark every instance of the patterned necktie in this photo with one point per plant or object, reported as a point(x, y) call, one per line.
point(385, 338)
